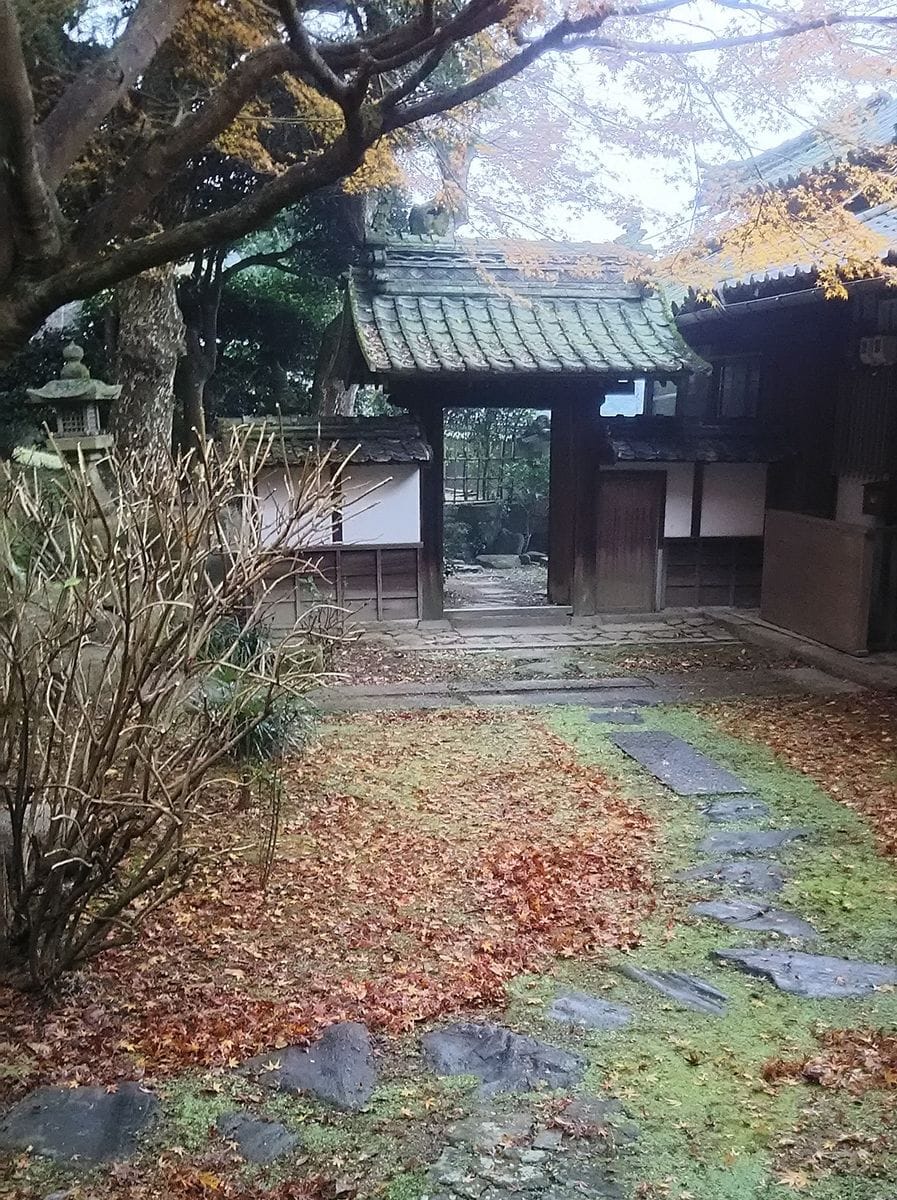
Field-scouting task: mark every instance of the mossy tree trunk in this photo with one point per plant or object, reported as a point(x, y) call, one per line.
point(149, 343)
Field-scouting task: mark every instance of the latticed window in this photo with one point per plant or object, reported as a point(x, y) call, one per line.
point(73, 421)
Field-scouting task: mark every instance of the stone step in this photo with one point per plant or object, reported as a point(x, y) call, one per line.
point(509, 617)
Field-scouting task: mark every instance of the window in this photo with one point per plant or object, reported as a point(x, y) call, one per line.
point(737, 388)
point(625, 398)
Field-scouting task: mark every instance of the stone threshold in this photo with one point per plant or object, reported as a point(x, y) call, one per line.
point(503, 687)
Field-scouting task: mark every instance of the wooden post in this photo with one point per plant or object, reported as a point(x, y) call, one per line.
point(432, 503)
point(585, 463)
point(561, 504)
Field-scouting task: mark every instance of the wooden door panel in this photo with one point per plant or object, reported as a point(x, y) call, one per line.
point(630, 510)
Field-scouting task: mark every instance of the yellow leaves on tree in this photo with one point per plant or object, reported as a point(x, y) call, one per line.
point(811, 223)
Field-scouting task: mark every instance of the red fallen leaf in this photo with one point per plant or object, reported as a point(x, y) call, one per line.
point(390, 904)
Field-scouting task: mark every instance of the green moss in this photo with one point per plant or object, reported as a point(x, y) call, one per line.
point(710, 1126)
point(408, 1185)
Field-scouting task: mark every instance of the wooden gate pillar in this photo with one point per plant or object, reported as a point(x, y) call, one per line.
point(586, 463)
point(432, 505)
point(573, 503)
point(561, 503)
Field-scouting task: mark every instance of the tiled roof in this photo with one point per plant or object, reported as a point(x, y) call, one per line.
point(873, 123)
point(366, 439)
point(467, 308)
point(882, 220)
point(641, 439)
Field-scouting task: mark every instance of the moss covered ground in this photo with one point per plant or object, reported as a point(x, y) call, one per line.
point(715, 1123)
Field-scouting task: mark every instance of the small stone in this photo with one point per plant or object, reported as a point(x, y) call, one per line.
point(256, 1140)
point(579, 1008)
point(587, 1116)
point(92, 1124)
point(760, 875)
point(503, 1061)
point(620, 717)
point(486, 1134)
point(685, 989)
point(532, 1156)
point(760, 918)
point(741, 809)
point(548, 1139)
point(815, 976)
point(338, 1068)
point(750, 841)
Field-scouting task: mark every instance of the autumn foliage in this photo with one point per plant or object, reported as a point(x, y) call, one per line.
point(855, 759)
point(426, 859)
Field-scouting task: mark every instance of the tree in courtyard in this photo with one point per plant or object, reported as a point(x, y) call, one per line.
point(93, 146)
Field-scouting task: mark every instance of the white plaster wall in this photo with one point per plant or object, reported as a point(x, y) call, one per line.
point(276, 502)
point(381, 503)
point(733, 500)
point(850, 500)
point(679, 488)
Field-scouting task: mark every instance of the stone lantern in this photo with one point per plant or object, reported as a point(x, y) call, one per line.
point(75, 398)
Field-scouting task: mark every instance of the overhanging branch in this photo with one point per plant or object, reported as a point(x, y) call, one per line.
point(93, 94)
point(29, 210)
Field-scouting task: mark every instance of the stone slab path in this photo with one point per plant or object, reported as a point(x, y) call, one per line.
point(503, 1061)
point(90, 1124)
point(687, 990)
point(338, 1068)
point(758, 918)
point(678, 765)
point(815, 976)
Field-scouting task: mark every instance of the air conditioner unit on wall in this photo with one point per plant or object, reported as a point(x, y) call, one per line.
point(879, 350)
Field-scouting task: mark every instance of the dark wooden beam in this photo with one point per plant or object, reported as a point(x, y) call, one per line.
point(432, 502)
point(585, 463)
point(561, 504)
point(697, 499)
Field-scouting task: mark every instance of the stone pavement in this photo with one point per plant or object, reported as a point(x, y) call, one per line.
point(617, 695)
point(472, 634)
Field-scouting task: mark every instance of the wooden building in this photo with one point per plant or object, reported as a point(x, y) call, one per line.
point(820, 376)
point(362, 551)
point(659, 508)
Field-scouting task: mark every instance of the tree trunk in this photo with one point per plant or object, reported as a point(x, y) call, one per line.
point(150, 341)
point(331, 395)
point(190, 387)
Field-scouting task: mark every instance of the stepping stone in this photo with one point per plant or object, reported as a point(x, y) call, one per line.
point(750, 841)
point(762, 876)
point(739, 914)
point(748, 809)
point(257, 1141)
point(616, 718)
point(687, 990)
point(677, 765)
point(503, 1061)
point(92, 1124)
point(488, 1132)
point(815, 976)
point(578, 1008)
point(338, 1068)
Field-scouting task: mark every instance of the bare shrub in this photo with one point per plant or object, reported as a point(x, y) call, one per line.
point(130, 601)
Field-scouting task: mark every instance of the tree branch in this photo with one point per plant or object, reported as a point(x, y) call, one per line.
point(31, 216)
point(92, 95)
point(152, 166)
point(265, 258)
point(341, 158)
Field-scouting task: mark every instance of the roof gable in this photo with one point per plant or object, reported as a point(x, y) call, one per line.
point(423, 307)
